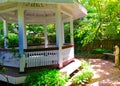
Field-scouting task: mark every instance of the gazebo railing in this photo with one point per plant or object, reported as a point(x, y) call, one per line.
point(41, 57)
point(67, 53)
point(47, 56)
point(9, 57)
point(36, 57)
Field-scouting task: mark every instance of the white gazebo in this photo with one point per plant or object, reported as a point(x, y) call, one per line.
point(42, 12)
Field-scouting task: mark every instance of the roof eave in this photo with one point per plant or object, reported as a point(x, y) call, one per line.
point(39, 1)
point(83, 10)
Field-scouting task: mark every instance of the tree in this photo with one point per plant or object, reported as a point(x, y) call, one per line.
point(102, 21)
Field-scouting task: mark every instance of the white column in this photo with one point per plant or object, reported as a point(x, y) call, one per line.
point(71, 31)
point(5, 34)
point(63, 36)
point(45, 35)
point(71, 35)
point(22, 30)
point(25, 38)
point(59, 35)
point(22, 37)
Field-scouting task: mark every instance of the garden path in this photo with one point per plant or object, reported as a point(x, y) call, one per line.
point(105, 74)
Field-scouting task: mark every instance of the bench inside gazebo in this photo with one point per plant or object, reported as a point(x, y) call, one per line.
point(43, 12)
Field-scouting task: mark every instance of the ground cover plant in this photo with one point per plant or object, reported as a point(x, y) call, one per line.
point(46, 78)
point(84, 75)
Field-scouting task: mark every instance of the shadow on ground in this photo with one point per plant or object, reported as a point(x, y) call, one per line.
point(105, 74)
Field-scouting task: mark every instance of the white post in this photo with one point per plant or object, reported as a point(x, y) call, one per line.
point(45, 35)
point(22, 37)
point(63, 36)
point(25, 38)
point(5, 34)
point(71, 31)
point(59, 35)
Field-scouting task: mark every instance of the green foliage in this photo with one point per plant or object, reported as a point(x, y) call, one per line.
point(67, 32)
point(51, 33)
point(46, 78)
point(1, 28)
point(35, 34)
point(85, 64)
point(12, 40)
point(84, 75)
point(102, 21)
point(101, 51)
point(1, 35)
point(1, 41)
point(4, 69)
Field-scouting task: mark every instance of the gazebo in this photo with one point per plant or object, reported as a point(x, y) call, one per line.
point(43, 12)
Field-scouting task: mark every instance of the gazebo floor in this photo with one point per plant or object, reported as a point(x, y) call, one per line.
point(13, 76)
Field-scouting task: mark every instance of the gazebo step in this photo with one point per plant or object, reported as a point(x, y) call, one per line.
point(70, 68)
point(16, 78)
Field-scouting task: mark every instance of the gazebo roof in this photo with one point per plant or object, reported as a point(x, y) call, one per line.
point(41, 11)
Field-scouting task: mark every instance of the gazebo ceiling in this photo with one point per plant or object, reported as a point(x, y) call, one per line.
point(40, 1)
point(40, 13)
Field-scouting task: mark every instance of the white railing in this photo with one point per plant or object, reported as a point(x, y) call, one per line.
point(44, 57)
point(36, 57)
point(68, 53)
point(9, 57)
point(41, 58)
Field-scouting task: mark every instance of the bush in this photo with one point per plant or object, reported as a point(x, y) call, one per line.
point(85, 64)
point(12, 40)
point(84, 75)
point(101, 51)
point(46, 78)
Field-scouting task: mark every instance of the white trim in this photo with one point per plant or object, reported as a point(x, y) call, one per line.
point(66, 11)
point(45, 35)
point(12, 79)
point(49, 7)
point(63, 35)
point(8, 9)
point(39, 1)
point(5, 33)
point(59, 35)
point(22, 37)
point(71, 31)
point(81, 8)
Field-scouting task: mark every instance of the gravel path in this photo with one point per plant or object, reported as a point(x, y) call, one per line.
point(105, 73)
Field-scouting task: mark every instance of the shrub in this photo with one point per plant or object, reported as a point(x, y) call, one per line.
point(46, 78)
point(101, 51)
point(4, 69)
point(12, 40)
point(85, 64)
point(84, 75)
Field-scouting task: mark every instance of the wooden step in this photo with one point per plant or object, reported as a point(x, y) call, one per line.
point(71, 67)
point(16, 78)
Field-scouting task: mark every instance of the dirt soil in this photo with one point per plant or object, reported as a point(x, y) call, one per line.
point(105, 74)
